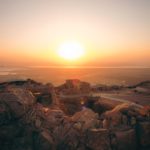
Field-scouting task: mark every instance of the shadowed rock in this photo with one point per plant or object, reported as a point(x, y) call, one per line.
point(125, 139)
point(32, 118)
point(98, 139)
point(144, 134)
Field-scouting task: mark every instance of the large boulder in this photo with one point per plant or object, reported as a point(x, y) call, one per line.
point(45, 93)
point(102, 105)
point(66, 136)
point(5, 115)
point(8, 132)
point(98, 139)
point(43, 141)
point(145, 111)
point(35, 116)
point(112, 119)
point(16, 101)
point(24, 141)
point(54, 117)
point(86, 119)
point(128, 108)
point(72, 105)
point(144, 134)
point(124, 140)
point(126, 112)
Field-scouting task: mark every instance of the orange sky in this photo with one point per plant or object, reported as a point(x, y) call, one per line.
point(112, 32)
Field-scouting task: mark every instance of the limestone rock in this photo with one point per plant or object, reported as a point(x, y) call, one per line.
point(126, 139)
point(122, 114)
point(98, 139)
point(43, 141)
point(112, 119)
point(87, 119)
point(144, 134)
point(17, 101)
point(53, 118)
point(8, 132)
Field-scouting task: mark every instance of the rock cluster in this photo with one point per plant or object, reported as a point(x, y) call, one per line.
point(31, 118)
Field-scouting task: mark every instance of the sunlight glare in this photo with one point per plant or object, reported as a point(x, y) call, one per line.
point(71, 50)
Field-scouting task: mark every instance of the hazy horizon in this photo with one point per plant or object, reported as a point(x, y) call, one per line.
point(68, 66)
point(57, 76)
point(112, 32)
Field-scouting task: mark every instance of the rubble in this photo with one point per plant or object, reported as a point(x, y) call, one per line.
point(16, 100)
point(86, 119)
point(143, 131)
point(125, 139)
point(98, 139)
point(34, 119)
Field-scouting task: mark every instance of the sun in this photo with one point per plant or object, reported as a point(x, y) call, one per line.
point(71, 50)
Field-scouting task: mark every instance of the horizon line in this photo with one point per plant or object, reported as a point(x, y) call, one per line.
point(126, 67)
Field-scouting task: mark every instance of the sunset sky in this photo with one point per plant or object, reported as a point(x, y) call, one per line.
point(111, 32)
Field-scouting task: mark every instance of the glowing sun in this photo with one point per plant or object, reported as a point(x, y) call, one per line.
point(71, 50)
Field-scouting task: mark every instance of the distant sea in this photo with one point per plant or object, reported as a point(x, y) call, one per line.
point(119, 76)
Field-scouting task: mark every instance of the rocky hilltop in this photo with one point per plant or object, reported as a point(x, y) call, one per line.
point(36, 116)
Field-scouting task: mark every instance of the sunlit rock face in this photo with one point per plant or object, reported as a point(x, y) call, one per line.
point(124, 114)
point(86, 119)
point(17, 100)
point(44, 93)
point(75, 86)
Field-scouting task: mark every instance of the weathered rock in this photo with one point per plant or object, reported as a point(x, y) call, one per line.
point(8, 132)
point(45, 100)
point(27, 124)
point(71, 105)
point(39, 90)
point(43, 141)
point(53, 118)
point(98, 139)
point(17, 101)
point(22, 143)
point(112, 119)
point(122, 113)
point(124, 120)
point(34, 117)
point(66, 136)
point(128, 108)
point(126, 139)
point(145, 111)
point(144, 134)
point(46, 95)
point(86, 119)
point(5, 115)
point(102, 106)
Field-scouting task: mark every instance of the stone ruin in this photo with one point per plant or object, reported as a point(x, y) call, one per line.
point(74, 86)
